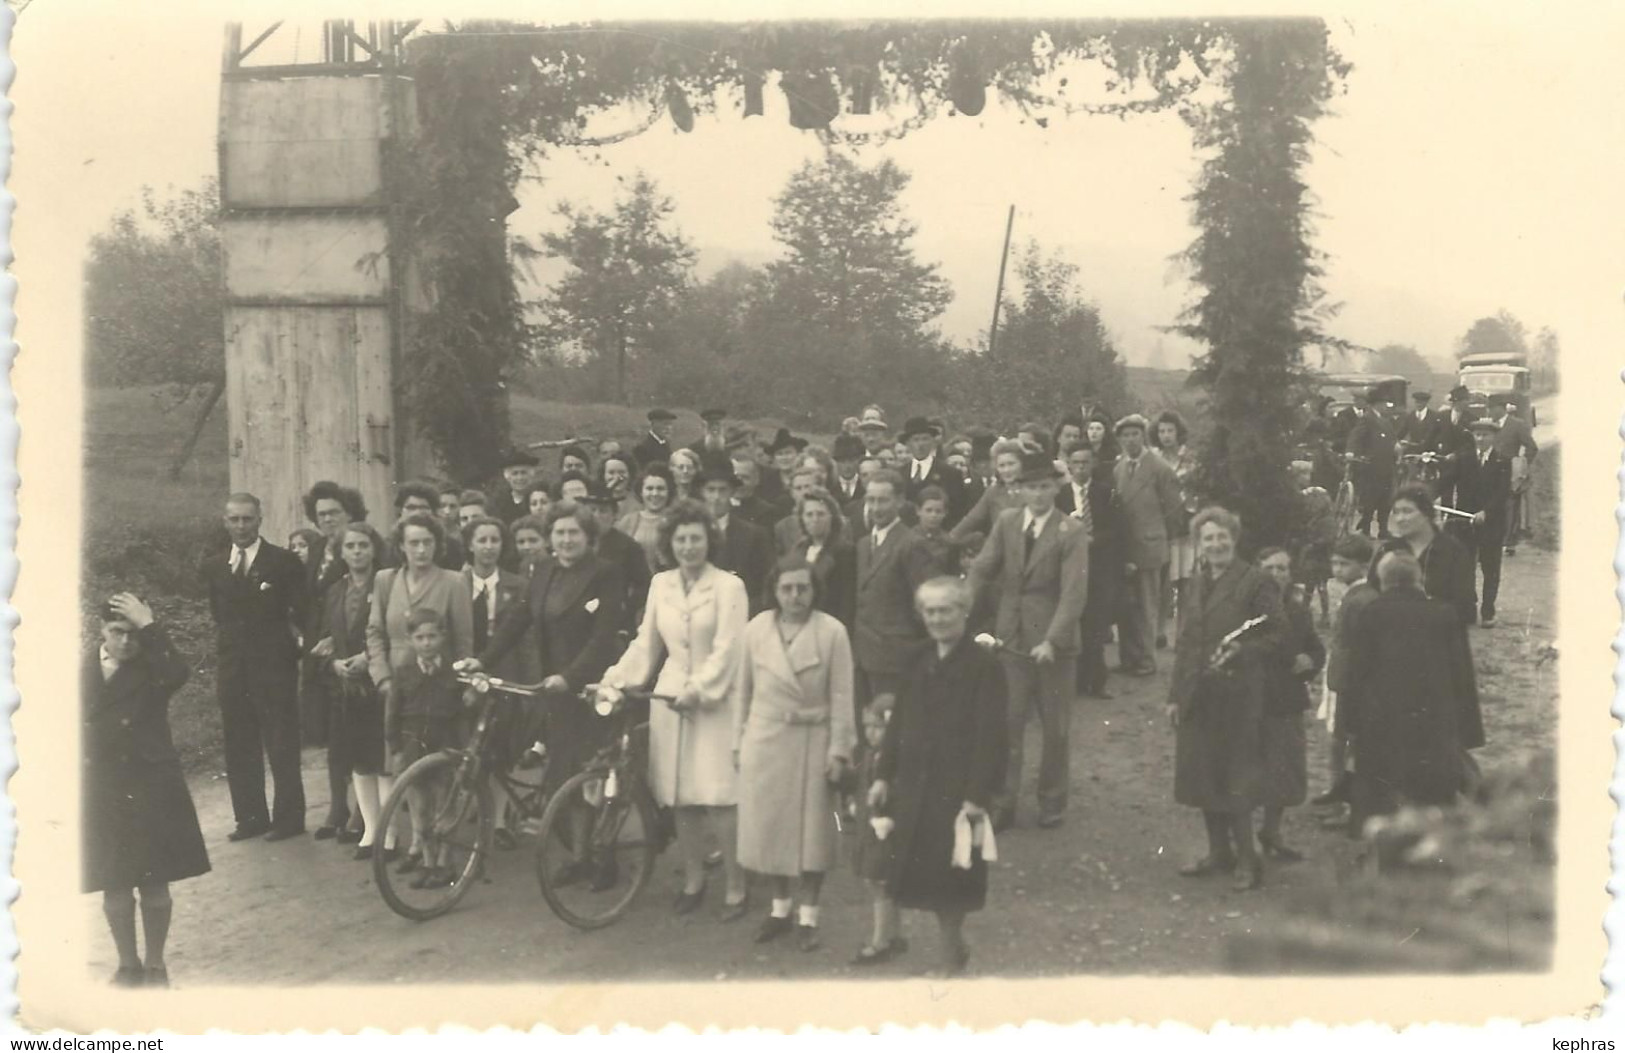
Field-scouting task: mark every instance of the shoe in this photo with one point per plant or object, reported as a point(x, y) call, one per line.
point(1512, 550)
point(363, 852)
point(1248, 877)
point(688, 902)
point(953, 967)
point(734, 911)
point(1049, 820)
point(391, 854)
point(567, 874)
point(283, 834)
point(325, 833)
point(869, 954)
point(349, 837)
point(605, 876)
point(1207, 865)
point(772, 928)
point(1275, 849)
point(1003, 819)
point(155, 976)
point(409, 864)
point(504, 839)
point(245, 831)
point(807, 938)
point(713, 859)
point(1487, 623)
point(1143, 671)
point(129, 976)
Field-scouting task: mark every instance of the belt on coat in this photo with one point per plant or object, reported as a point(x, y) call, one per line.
point(811, 719)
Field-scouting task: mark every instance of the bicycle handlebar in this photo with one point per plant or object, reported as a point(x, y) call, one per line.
point(484, 682)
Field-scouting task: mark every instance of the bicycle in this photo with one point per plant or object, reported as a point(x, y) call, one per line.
point(1420, 467)
point(455, 840)
point(601, 831)
point(1345, 506)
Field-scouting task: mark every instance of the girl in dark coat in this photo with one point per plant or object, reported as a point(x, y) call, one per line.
point(1287, 675)
point(140, 828)
point(1216, 702)
point(943, 757)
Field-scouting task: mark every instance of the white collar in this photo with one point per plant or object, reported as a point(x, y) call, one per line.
point(490, 582)
point(925, 465)
point(1028, 519)
point(250, 554)
point(429, 671)
point(722, 523)
point(656, 438)
point(881, 533)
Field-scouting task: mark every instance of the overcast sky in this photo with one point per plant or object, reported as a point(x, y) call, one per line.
point(1472, 164)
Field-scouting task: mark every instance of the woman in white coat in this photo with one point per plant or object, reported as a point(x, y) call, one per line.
point(793, 705)
point(692, 625)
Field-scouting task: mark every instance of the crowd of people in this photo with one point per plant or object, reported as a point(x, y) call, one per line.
point(870, 621)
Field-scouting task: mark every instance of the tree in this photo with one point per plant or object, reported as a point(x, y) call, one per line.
point(1053, 352)
point(1501, 334)
point(846, 315)
point(1403, 359)
point(154, 308)
point(1543, 360)
point(628, 269)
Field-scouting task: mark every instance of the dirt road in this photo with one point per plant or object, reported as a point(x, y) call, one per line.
point(1098, 896)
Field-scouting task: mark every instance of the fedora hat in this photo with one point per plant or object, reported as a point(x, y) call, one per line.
point(847, 448)
point(916, 426)
point(1133, 420)
point(1483, 424)
point(1036, 466)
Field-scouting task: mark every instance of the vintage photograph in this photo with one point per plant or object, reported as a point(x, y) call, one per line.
point(842, 499)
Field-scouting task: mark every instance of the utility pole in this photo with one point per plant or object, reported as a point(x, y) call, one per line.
point(998, 293)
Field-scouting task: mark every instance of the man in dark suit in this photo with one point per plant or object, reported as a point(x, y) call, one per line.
point(847, 486)
point(981, 475)
point(656, 446)
point(1037, 560)
point(1088, 497)
point(512, 499)
point(617, 548)
point(712, 447)
point(748, 504)
point(1483, 487)
point(1372, 442)
point(745, 550)
point(257, 598)
point(891, 565)
point(1148, 494)
point(1514, 440)
point(332, 508)
point(1422, 425)
point(929, 469)
point(1452, 440)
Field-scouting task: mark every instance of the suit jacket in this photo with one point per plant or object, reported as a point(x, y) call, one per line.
point(566, 625)
point(1373, 440)
point(1485, 487)
point(713, 460)
point(842, 498)
point(1041, 597)
point(1449, 573)
point(651, 450)
point(1422, 431)
point(125, 719)
point(746, 553)
point(943, 475)
point(420, 694)
point(836, 572)
point(1515, 438)
point(752, 509)
point(511, 589)
point(982, 515)
point(256, 618)
point(389, 644)
point(786, 532)
point(1152, 509)
point(349, 634)
point(616, 548)
point(506, 507)
point(887, 628)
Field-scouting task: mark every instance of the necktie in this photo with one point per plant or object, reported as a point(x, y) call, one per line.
point(1133, 464)
point(241, 568)
point(1032, 537)
point(482, 617)
point(1085, 513)
point(875, 540)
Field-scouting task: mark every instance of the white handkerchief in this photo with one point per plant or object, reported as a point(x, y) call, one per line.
point(592, 605)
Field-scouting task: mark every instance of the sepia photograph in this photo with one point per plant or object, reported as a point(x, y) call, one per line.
point(854, 502)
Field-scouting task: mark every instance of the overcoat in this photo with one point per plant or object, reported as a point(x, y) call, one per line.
point(793, 713)
point(1148, 494)
point(138, 822)
point(618, 548)
point(389, 644)
point(886, 625)
point(1449, 573)
point(1410, 672)
point(690, 639)
point(1218, 751)
point(945, 745)
point(746, 552)
point(836, 572)
point(357, 711)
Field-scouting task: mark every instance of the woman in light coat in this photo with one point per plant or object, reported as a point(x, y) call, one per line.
point(793, 709)
point(692, 625)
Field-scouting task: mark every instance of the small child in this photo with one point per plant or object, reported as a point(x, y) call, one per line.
point(1350, 558)
point(873, 857)
point(933, 510)
point(422, 716)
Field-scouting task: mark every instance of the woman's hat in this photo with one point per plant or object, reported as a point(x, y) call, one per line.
point(1459, 393)
point(916, 426)
point(1036, 466)
point(785, 441)
point(1133, 420)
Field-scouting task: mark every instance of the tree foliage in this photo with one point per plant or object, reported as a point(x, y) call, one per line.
point(628, 267)
point(1261, 303)
point(1500, 333)
point(1053, 351)
point(154, 304)
point(1403, 359)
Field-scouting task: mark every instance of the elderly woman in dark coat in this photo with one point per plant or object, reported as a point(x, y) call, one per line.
point(140, 828)
point(943, 758)
point(1217, 699)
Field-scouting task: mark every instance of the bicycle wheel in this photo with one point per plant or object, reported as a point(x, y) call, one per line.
point(597, 850)
point(1344, 511)
point(453, 836)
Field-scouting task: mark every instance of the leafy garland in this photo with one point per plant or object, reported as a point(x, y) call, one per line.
point(495, 96)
